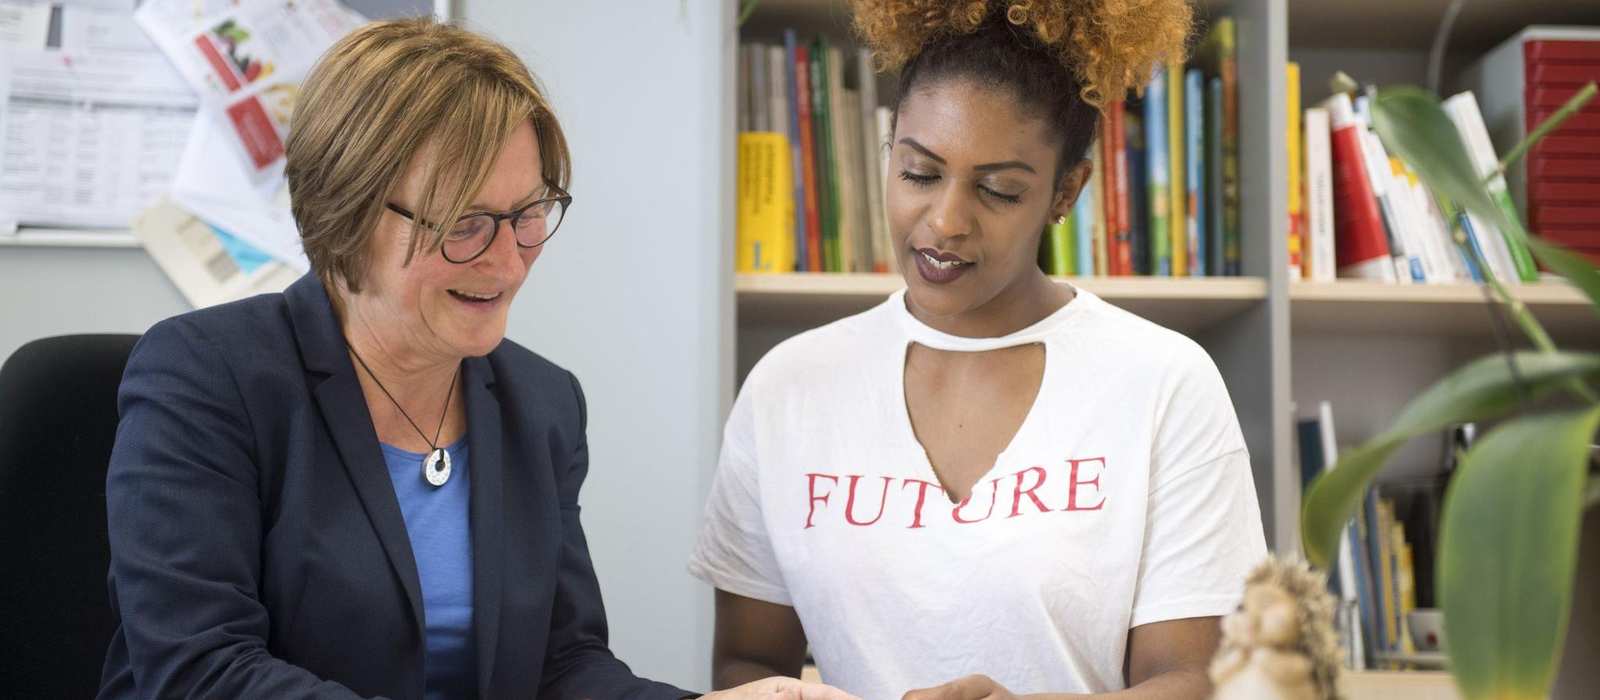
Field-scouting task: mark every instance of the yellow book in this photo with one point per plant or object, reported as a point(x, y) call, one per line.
point(1178, 204)
point(765, 224)
point(1297, 207)
point(1408, 586)
point(1387, 575)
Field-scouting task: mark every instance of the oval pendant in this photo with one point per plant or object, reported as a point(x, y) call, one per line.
point(436, 468)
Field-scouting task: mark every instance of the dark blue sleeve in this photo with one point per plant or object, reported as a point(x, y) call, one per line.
point(578, 662)
point(184, 511)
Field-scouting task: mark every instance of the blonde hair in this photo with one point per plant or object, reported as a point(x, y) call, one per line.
point(373, 102)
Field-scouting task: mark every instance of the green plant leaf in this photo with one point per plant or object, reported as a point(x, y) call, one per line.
point(1508, 551)
point(1577, 269)
point(1414, 127)
point(1483, 389)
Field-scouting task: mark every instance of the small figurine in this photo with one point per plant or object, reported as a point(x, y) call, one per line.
point(1280, 644)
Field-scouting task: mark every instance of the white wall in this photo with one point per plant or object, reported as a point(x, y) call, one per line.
point(635, 293)
point(47, 291)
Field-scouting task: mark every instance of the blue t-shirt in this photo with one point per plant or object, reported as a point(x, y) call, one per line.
point(441, 542)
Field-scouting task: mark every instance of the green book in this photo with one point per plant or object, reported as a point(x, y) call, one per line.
point(827, 176)
point(1063, 247)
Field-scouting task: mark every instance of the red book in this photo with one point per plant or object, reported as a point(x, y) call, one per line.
point(1558, 142)
point(1108, 197)
point(1549, 193)
point(1542, 50)
point(1562, 74)
point(1582, 236)
point(808, 157)
point(1586, 122)
point(1538, 97)
point(1362, 246)
point(1557, 216)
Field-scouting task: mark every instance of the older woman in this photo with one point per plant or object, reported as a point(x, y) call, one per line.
point(358, 487)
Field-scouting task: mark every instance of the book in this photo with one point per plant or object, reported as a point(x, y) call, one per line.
point(1178, 210)
point(1060, 248)
point(1362, 245)
point(1138, 191)
point(1214, 177)
point(1158, 172)
point(796, 156)
point(808, 159)
point(1293, 134)
point(841, 115)
point(1106, 164)
point(760, 104)
point(871, 172)
point(1120, 184)
point(1347, 574)
point(827, 184)
point(1195, 164)
point(1219, 56)
point(1463, 111)
point(1407, 266)
point(1083, 217)
point(765, 221)
point(1319, 197)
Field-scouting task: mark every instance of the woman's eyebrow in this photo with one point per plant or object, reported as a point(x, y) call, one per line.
point(985, 168)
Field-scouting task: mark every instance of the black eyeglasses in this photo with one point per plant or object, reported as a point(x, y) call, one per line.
point(472, 234)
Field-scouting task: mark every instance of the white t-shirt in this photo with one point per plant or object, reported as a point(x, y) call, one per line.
point(1125, 498)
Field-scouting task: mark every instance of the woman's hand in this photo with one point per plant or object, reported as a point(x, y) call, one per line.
point(977, 687)
point(780, 688)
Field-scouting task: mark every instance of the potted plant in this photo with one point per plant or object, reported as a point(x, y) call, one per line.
point(1512, 511)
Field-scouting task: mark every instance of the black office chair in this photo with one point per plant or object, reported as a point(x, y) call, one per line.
point(58, 419)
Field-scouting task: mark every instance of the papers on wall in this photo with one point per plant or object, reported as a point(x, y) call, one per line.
point(89, 139)
point(207, 264)
point(24, 26)
point(247, 63)
point(93, 30)
point(213, 185)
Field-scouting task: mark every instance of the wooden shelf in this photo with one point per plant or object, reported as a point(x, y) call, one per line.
point(1186, 305)
point(1433, 309)
point(1399, 685)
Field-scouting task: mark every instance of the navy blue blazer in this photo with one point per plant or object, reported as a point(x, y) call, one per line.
point(257, 547)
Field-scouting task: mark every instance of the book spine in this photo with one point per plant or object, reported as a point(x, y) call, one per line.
point(1215, 215)
point(1138, 191)
point(796, 156)
point(1463, 111)
point(808, 159)
point(1120, 185)
point(1319, 196)
point(1233, 243)
point(1108, 194)
point(765, 224)
point(1194, 149)
point(828, 187)
point(1293, 136)
point(1157, 164)
point(1362, 245)
point(1083, 230)
point(1178, 209)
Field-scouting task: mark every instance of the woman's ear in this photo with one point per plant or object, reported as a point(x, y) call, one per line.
point(1068, 187)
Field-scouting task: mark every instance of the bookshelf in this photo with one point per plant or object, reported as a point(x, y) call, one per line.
point(1281, 345)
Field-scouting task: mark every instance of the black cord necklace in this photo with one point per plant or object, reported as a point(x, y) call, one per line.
point(436, 466)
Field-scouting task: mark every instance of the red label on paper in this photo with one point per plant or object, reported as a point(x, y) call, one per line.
point(255, 129)
point(218, 63)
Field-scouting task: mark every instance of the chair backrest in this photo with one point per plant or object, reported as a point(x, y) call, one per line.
point(58, 420)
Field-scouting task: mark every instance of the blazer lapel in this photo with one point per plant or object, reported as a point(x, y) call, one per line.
point(344, 408)
point(487, 511)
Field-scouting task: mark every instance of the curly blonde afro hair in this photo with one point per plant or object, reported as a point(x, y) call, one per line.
point(1109, 46)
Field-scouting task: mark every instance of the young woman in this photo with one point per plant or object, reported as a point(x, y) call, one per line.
point(993, 483)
